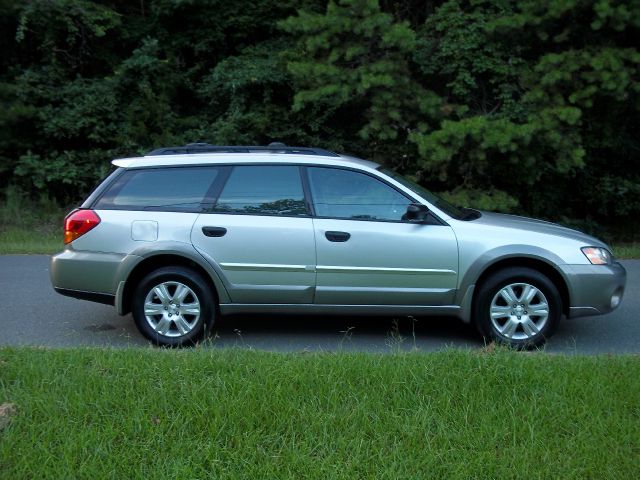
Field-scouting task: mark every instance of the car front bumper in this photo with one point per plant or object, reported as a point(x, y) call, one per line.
point(594, 289)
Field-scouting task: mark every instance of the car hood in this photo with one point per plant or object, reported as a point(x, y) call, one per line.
point(537, 226)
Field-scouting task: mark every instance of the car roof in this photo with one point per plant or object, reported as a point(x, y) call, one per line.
point(227, 158)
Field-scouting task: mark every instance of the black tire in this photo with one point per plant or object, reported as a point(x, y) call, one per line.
point(513, 322)
point(175, 322)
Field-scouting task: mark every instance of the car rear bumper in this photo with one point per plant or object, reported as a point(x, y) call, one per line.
point(594, 289)
point(87, 275)
point(91, 296)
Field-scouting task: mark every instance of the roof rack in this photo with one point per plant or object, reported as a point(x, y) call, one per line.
point(274, 147)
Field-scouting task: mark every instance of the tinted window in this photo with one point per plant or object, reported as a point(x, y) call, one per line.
point(348, 194)
point(263, 190)
point(160, 189)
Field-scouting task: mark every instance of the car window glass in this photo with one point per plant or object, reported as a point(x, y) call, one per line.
point(263, 190)
point(347, 194)
point(182, 188)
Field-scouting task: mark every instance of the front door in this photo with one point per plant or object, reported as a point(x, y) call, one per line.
point(367, 254)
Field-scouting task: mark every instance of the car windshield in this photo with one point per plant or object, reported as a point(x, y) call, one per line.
point(431, 197)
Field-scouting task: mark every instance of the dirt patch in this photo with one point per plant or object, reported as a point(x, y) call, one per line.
point(7, 411)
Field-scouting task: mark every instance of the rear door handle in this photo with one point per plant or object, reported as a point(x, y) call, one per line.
point(214, 231)
point(337, 236)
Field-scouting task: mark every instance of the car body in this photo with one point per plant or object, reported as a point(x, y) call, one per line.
point(185, 234)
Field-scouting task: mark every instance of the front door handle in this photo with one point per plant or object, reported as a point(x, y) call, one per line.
point(214, 231)
point(337, 236)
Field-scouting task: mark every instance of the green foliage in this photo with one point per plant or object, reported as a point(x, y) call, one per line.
point(473, 70)
point(540, 92)
point(65, 33)
point(488, 199)
point(515, 105)
point(354, 59)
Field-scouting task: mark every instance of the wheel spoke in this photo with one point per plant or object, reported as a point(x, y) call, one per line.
point(509, 328)
point(162, 293)
point(190, 309)
point(529, 327)
point(528, 294)
point(498, 311)
point(539, 310)
point(182, 325)
point(508, 295)
point(180, 293)
point(153, 308)
point(163, 326)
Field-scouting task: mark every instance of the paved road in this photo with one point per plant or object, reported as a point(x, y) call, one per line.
point(33, 314)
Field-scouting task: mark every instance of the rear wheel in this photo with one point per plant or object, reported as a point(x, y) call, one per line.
point(519, 307)
point(173, 306)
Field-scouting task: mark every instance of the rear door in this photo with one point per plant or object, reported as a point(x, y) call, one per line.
point(259, 235)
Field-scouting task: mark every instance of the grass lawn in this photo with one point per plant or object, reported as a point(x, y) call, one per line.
point(15, 240)
point(28, 226)
point(208, 413)
point(627, 250)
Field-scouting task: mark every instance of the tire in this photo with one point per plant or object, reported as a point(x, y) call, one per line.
point(174, 306)
point(505, 302)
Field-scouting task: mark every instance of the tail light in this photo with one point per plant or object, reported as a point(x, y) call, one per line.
point(78, 223)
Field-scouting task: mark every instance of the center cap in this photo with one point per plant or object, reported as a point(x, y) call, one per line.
point(519, 310)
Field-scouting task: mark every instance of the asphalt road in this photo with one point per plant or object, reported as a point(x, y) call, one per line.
point(33, 314)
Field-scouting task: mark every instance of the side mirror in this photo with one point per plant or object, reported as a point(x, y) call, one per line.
point(416, 212)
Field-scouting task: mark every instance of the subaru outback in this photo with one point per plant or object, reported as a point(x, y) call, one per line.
point(185, 234)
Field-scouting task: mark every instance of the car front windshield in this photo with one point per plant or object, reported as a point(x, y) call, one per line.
point(442, 204)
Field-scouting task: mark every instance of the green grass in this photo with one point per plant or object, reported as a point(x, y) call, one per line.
point(208, 413)
point(30, 226)
point(15, 240)
point(627, 250)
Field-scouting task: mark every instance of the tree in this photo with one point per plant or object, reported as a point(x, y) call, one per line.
point(550, 96)
point(351, 68)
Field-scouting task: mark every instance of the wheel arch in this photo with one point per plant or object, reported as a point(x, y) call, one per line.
point(153, 262)
point(535, 263)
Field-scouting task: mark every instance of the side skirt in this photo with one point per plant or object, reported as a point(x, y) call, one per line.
point(419, 310)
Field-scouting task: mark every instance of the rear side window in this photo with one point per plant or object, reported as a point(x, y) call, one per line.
point(169, 189)
point(263, 190)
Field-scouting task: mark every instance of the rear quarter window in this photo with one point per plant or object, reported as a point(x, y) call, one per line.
point(169, 189)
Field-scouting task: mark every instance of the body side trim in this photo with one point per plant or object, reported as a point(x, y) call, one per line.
point(383, 270)
point(266, 267)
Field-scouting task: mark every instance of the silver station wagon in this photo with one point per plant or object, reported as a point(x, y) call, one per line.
point(185, 234)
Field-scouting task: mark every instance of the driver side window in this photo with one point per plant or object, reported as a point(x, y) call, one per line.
point(347, 194)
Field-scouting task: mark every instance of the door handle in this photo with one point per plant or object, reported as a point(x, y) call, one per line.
point(214, 231)
point(337, 236)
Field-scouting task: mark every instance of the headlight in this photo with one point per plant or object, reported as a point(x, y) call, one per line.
point(597, 256)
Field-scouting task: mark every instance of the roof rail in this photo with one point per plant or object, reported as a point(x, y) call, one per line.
point(274, 147)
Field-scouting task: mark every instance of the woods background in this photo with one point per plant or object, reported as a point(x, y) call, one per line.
point(529, 107)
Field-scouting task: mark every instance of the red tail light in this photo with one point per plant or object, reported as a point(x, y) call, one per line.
point(78, 223)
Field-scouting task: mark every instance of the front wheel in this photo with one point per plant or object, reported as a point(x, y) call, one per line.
point(518, 307)
point(173, 306)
